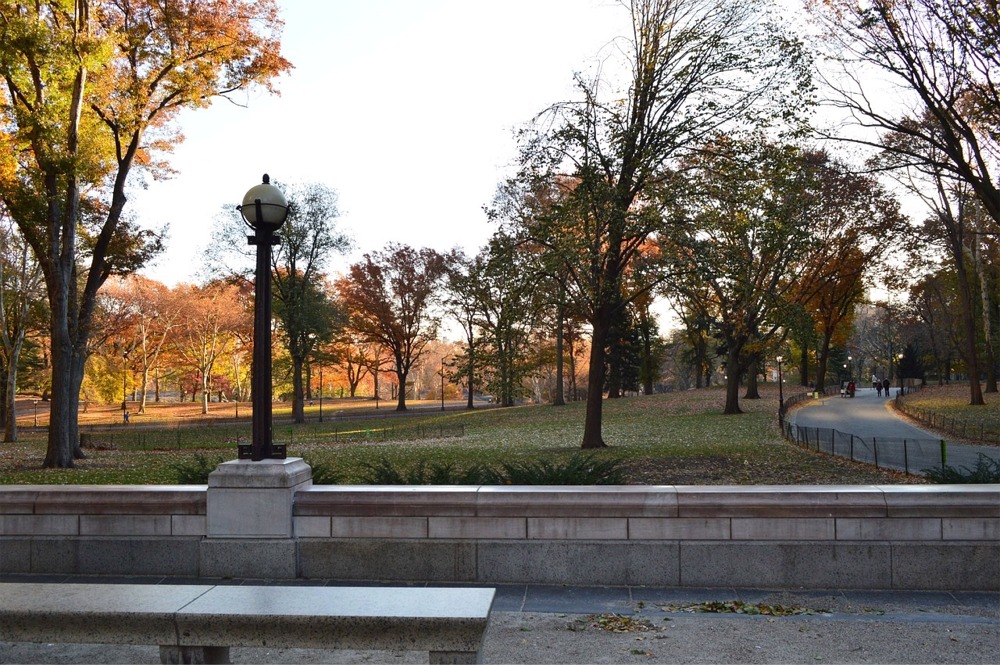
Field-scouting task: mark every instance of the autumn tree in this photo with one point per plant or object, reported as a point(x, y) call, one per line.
point(503, 285)
point(92, 90)
point(692, 66)
point(941, 59)
point(739, 239)
point(208, 322)
point(21, 311)
point(389, 296)
point(855, 224)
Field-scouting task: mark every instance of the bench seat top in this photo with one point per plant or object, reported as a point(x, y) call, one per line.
point(404, 618)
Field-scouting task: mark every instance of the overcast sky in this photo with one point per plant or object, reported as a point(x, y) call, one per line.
point(405, 107)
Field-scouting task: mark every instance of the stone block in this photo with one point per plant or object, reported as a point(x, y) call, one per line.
point(125, 525)
point(973, 528)
point(188, 525)
point(270, 558)
point(476, 527)
point(679, 528)
point(578, 562)
point(578, 528)
point(115, 556)
point(311, 527)
point(378, 527)
point(389, 560)
point(16, 499)
point(15, 555)
point(761, 528)
point(888, 529)
point(786, 564)
point(969, 566)
point(39, 525)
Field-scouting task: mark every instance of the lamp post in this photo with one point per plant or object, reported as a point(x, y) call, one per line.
point(34, 404)
point(124, 387)
point(321, 393)
point(264, 210)
point(442, 383)
point(781, 393)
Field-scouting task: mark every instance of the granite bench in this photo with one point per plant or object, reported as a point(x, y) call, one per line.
point(199, 623)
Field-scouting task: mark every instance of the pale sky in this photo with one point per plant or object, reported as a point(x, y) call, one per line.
point(405, 107)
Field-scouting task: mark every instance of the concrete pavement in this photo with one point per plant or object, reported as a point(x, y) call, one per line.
point(564, 624)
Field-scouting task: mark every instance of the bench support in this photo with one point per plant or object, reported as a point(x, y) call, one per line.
point(174, 655)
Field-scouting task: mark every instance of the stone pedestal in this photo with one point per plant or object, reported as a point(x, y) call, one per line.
point(250, 526)
point(254, 499)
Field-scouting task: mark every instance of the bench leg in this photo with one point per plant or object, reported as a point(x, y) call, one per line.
point(175, 655)
point(454, 657)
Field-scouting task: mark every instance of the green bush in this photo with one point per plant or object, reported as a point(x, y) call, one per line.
point(323, 474)
point(578, 470)
point(985, 471)
point(195, 472)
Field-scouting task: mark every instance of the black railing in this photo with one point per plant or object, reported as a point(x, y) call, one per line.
point(910, 455)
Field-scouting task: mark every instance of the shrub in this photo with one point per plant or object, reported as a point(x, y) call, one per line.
point(195, 472)
point(323, 474)
point(985, 471)
point(578, 470)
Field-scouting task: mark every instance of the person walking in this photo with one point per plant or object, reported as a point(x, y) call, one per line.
point(885, 386)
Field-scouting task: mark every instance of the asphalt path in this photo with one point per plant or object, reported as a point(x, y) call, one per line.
point(868, 426)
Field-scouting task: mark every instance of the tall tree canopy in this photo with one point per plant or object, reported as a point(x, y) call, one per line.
point(389, 295)
point(91, 90)
point(693, 66)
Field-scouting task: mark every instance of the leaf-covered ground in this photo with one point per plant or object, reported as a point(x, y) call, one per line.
point(679, 438)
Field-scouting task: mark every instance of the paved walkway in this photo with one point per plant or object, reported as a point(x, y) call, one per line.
point(870, 419)
point(565, 624)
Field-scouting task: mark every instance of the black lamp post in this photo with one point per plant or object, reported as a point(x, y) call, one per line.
point(264, 209)
point(442, 383)
point(781, 393)
point(321, 393)
point(34, 404)
point(124, 387)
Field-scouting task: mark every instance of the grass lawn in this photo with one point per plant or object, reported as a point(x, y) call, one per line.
point(949, 406)
point(672, 439)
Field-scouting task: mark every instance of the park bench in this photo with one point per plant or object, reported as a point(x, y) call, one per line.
point(199, 623)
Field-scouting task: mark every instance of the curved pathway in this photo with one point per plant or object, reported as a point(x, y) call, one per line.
point(870, 418)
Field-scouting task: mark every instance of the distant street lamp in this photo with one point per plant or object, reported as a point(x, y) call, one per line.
point(442, 383)
point(321, 393)
point(264, 210)
point(781, 393)
point(34, 403)
point(124, 387)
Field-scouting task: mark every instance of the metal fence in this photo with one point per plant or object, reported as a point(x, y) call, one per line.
point(912, 456)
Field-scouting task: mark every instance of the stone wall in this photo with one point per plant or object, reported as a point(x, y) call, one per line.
point(862, 537)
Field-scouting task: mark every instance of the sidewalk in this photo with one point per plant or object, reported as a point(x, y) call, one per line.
point(562, 624)
point(870, 418)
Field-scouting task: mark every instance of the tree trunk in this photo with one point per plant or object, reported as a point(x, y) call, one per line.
point(592, 434)
point(732, 382)
point(753, 391)
point(298, 391)
point(401, 393)
point(804, 367)
point(560, 397)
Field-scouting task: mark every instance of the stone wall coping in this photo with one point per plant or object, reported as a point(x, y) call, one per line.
point(103, 499)
point(654, 501)
point(894, 501)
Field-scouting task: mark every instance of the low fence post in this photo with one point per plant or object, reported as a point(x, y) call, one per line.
point(875, 450)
